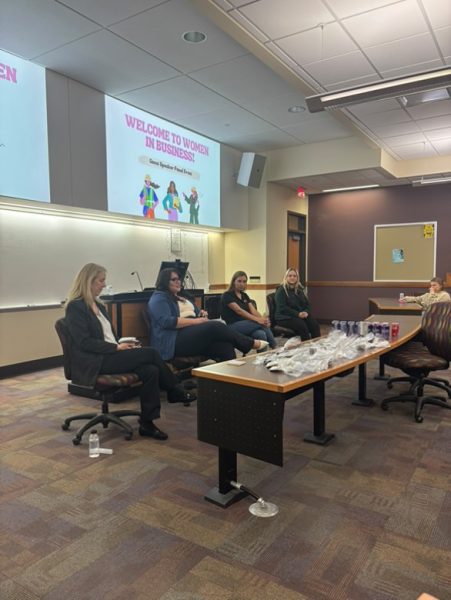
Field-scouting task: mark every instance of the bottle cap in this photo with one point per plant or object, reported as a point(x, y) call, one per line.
point(94, 431)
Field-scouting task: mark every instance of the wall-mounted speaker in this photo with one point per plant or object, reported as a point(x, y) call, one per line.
point(251, 169)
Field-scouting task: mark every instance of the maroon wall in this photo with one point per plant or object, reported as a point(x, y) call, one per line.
point(341, 239)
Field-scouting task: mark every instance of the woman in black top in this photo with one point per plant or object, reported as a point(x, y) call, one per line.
point(240, 314)
point(293, 308)
point(96, 350)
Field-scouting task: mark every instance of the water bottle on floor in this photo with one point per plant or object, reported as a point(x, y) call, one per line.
point(94, 444)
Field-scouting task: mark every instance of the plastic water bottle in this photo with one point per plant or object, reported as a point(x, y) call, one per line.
point(94, 444)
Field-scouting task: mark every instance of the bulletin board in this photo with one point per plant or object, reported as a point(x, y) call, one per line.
point(405, 251)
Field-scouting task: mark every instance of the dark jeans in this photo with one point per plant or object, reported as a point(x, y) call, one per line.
point(305, 328)
point(256, 331)
point(212, 339)
point(150, 368)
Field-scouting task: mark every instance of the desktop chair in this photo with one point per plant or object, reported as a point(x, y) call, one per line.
point(278, 330)
point(213, 306)
point(180, 366)
point(106, 385)
point(418, 361)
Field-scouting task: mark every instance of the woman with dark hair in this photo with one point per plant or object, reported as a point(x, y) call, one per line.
point(96, 350)
point(240, 313)
point(293, 307)
point(178, 328)
point(436, 293)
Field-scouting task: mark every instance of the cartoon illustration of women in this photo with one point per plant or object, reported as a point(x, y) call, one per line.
point(193, 202)
point(148, 197)
point(171, 202)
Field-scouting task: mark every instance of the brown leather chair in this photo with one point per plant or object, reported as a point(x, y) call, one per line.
point(417, 361)
point(278, 330)
point(105, 385)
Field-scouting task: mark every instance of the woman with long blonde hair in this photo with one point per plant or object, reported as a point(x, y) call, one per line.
point(96, 350)
point(293, 308)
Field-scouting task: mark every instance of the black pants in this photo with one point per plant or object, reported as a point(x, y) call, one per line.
point(212, 339)
point(150, 368)
point(305, 328)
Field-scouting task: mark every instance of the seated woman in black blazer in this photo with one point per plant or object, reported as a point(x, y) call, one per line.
point(96, 350)
point(293, 307)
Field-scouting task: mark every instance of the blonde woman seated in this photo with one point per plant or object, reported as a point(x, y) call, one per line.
point(436, 293)
point(240, 314)
point(293, 307)
point(96, 350)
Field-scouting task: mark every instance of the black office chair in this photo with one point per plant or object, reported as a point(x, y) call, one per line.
point(278, 330)
point(417, 361)
point(106, 385)
point(213, 306)
point(181, 366)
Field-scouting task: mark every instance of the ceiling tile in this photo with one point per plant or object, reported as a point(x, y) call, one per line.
point(404, 140)
point(107, 12)
point(443, 147)
point(403, 53)
point(434, 122)
point(248, 25)
point(176, 98)
point(443, 37)
point(229, 121)
point(29, 28)
point(317, 44)
point(244, 80)
point(303, 14)
point(159, 31)
point(265, 141)
point(415, 151)
point(347, 8)
point(386, 24)
point(438, 12)
point(318, 130)
point(388, 130)
point(339, 68)
point(438, 134)
point(107, 63)
point(430, 109)
point(408, 70)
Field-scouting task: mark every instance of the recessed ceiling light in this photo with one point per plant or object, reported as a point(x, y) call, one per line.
point(194, 37)
point(296, 109)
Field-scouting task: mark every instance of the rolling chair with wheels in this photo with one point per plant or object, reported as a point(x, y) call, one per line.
point(418, 361)
point(106, 385)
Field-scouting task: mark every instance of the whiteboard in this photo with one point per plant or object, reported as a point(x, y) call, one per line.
point(40, 255)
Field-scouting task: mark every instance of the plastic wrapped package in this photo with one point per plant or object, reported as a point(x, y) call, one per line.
point(301, 359)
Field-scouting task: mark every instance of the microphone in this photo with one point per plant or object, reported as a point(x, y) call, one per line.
point(139, 278)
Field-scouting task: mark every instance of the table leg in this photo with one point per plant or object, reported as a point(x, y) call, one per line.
point(362, 400)
point(224, 494)
point(381, 375)
point(319, 435)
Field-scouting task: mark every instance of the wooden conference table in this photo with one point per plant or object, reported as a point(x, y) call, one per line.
point(391, 306)
point(240, 408)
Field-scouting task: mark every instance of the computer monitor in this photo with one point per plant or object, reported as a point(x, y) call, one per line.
point(176, 265)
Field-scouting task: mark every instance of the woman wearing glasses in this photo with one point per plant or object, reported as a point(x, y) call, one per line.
point(179, 328)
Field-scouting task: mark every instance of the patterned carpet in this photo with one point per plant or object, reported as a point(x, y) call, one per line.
point(366, 517)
